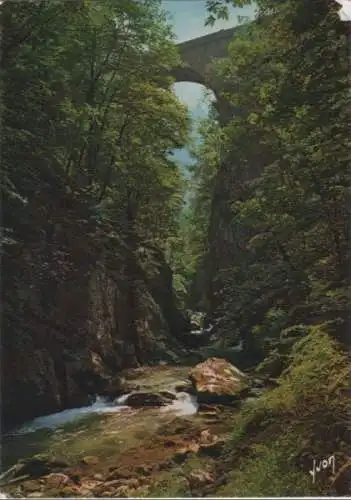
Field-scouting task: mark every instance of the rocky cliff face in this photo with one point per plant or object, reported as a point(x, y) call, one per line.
point(228, 237)
point(69, 325)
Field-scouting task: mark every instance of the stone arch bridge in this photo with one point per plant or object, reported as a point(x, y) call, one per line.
point(197, 55)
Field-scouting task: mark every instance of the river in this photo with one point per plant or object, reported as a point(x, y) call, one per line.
point(91, 440)
point(113, 448)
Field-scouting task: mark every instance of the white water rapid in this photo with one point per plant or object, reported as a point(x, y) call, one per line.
point(100, 405)
point(185, 404)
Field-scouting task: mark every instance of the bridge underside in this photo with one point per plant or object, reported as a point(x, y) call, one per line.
point(187, 74)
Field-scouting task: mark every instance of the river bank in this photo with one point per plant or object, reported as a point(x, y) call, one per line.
point(166, 438)
point(112, 449)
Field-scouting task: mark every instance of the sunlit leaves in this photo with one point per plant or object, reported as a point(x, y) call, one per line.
point(218, 9)
point(89, 105)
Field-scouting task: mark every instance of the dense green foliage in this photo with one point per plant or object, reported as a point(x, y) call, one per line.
point(284, 180)
point(275, 235)
point(87, 103)
point(89, 121)
point(306, 414)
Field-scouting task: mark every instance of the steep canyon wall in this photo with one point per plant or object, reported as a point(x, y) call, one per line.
point(69, 324)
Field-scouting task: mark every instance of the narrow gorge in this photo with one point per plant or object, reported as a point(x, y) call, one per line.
point(174, 330)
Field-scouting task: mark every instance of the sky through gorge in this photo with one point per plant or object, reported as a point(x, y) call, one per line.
point(188, 20)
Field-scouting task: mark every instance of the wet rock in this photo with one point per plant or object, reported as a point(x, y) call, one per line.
point(140, 399)
point(209, 414)
point(200, 478)
point(207, 438)
point(206, 409)
point(218, 381)
point(87, 373)
point(210, 445)
point(37, 466)
point(211, 417)
point(57, 480)
point(31, 486)
point(167, 395)
point(185, 387)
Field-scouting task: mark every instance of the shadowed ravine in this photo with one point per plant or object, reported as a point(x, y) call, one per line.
point(175, 329)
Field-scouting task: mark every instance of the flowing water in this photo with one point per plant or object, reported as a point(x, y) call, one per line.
point(103, 422)
point(100, 405)
point(184, 404)
point(116, 436)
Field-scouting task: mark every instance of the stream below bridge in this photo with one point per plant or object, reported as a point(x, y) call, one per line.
point(112, 449)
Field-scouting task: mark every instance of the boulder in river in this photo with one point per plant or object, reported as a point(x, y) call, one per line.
point(217, 381)
point(140, 399)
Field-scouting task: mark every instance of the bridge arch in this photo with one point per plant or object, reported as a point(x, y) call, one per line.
point(197, 56)
point(187, 74)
